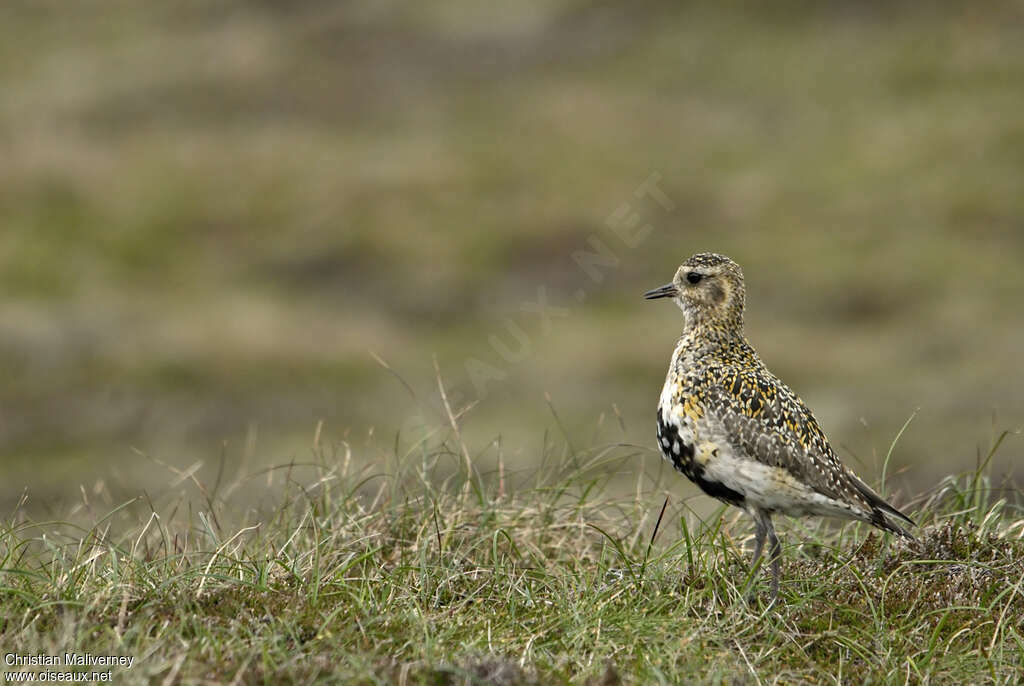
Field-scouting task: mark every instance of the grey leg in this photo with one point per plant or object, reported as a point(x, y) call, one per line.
point(760, 533)
point(764, 529)
point(775, 555)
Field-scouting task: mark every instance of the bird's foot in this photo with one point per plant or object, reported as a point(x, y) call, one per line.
point(754, 599)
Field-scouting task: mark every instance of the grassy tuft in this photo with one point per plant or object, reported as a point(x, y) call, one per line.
point(411, 569)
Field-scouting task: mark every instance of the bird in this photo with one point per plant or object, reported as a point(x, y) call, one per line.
point(743, 436)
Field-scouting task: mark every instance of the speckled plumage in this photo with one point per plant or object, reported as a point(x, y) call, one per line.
point(733, 428)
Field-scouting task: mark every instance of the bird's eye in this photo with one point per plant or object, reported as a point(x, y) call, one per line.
point(694, 277)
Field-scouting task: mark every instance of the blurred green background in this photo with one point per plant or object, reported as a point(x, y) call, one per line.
point(212, 212)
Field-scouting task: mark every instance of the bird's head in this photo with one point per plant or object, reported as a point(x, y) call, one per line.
point(708, 289)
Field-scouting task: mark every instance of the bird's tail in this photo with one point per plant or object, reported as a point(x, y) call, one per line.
point(884, 515)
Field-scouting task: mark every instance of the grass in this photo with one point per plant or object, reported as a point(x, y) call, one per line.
point(419, 568)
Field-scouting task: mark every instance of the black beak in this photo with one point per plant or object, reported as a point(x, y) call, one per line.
point(669, 290)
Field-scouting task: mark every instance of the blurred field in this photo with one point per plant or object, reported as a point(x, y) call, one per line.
point(211, 213)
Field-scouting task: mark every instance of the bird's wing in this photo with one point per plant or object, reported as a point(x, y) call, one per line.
point(765, 420)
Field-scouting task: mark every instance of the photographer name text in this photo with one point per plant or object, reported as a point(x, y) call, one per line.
point(68, 660)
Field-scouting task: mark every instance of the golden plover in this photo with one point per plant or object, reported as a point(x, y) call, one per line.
point(739, 433)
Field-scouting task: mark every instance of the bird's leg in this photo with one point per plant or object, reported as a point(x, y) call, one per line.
point(764, 529)
point(760, 532)
point(774, 554)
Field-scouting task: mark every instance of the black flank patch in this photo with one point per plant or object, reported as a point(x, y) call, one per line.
point(716, 489)
point(685, 464)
